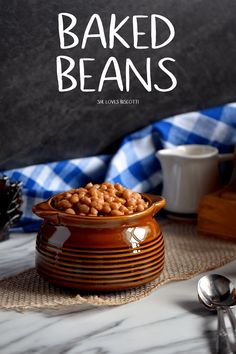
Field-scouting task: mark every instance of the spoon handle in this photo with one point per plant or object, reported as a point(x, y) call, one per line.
point(232, 321)
point(231, 318)
point(223, 344)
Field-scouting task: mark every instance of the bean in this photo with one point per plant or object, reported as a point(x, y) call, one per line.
point(119, 187)
point(114, 206)
point(140, 207)
point(97, 204)
point(83, 208)
point(108, 199)
point(107, 184)
point(111, 191)
point(74, 198)
point(100, 195)
point(116, 213)
point(131, 202)
point(81, 189)
point(120, 200)
point(86, 200)
point(124, 209)
point(141, 201)
point(131, 208)
point(93, 192)
point(106, 208)
point(64, 204)
point(81, 194)
point(136, 196)
point(70, 211)
point(67, 195)
point(127, 193)
point(93, 211)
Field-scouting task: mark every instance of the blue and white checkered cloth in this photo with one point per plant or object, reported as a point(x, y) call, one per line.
point(134, 164)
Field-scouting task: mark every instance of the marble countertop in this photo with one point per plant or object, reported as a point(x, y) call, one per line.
point(170, 320)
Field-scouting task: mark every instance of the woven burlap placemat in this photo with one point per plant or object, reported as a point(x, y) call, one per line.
point(186, 254)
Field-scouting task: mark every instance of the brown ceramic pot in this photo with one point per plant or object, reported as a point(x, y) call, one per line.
point(100, 253)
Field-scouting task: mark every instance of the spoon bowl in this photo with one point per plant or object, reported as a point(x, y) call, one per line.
point(216, 290)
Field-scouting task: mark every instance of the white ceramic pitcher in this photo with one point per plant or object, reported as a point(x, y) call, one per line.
point(189, 172)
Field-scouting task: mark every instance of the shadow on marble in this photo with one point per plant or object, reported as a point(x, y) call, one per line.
point(196, 308)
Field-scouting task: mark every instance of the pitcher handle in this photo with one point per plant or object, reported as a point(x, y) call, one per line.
point(226, 157)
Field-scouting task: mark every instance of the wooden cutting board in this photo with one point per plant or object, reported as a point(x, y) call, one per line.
point(217, 211)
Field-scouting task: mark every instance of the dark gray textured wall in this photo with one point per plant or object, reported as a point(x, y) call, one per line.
point(40, 124)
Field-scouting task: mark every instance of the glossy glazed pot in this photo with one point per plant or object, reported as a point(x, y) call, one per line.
point(100, 253)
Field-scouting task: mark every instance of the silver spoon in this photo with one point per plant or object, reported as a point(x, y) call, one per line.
point(216, 292)
point(223, 293)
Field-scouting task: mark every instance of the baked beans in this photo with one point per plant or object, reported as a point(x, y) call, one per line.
point(103, 199)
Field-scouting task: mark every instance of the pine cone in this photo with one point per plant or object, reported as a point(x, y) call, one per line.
point(10, 203)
